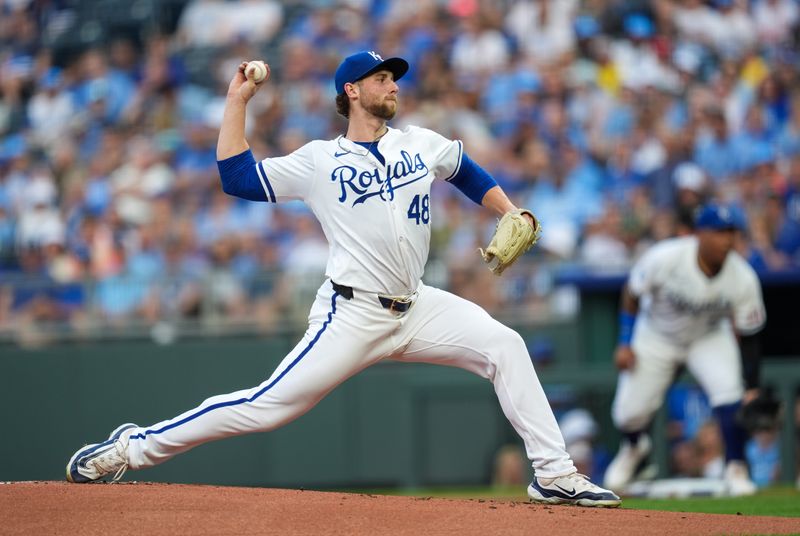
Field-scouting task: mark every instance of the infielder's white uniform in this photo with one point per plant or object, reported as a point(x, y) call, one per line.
point(686, 317)
point(377, 221)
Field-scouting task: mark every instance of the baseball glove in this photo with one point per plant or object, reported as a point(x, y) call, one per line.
point(760, 414)
point(513, 236)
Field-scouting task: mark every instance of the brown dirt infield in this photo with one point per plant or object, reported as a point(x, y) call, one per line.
point(31, 508)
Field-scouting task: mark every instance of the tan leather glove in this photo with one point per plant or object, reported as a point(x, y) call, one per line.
point(513, 236)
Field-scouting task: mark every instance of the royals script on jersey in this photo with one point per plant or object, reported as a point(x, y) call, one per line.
point(681, 303)
point(375, 216)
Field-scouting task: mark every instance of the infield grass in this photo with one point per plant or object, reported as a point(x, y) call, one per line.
point(776, 501)
point(784, 502)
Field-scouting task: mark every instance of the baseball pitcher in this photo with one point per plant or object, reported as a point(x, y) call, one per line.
point(370, 190)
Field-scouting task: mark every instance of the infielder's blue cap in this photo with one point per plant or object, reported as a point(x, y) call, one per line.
point(363, 64)
point(718, 218)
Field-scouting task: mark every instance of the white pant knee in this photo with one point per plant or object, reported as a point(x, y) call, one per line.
point(632, 419)
point(507, 349)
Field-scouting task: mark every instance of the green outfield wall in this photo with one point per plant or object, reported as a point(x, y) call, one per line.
point(393, 424)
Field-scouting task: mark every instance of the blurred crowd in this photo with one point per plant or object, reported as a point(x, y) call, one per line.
point(611, 120)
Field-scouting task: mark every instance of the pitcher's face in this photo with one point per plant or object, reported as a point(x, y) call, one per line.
point(378, 94)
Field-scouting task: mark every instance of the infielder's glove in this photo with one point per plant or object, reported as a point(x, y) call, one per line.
point(760, 414)
point(513, 236)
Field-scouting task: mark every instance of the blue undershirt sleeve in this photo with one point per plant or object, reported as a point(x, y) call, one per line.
point(240, 177)
point(472, 180)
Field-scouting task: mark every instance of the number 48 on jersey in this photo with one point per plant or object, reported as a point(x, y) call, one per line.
point(419, 210)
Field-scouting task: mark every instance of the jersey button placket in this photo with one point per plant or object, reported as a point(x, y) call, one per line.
point(398, 223)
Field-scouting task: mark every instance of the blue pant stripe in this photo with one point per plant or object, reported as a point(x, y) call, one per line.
point(259, 393)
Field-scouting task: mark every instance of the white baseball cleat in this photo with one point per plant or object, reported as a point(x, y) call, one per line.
point(574, 489)
point(737, 479)
point(623, 467)
point(95, 461)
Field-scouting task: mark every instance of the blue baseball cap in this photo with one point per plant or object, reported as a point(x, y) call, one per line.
point(718, 218)
point(363, 64)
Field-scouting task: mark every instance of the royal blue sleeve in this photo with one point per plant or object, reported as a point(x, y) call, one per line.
point(240, 177)
point(472, 180)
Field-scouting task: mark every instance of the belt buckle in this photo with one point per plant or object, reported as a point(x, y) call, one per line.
point(399, 301)
point(398, 304)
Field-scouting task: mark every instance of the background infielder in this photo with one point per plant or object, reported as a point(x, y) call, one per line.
point(689, 301)
point(370, 191)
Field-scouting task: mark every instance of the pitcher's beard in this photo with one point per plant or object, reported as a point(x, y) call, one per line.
point(384, 110)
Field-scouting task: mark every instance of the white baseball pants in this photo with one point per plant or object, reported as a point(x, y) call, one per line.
point(713, 360)
point(346, 336)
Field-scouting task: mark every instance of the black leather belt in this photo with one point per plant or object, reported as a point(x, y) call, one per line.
point(344, 292)
point(392, 304)
point(401, 306)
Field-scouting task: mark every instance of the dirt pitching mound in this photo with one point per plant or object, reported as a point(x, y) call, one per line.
point(167, 509)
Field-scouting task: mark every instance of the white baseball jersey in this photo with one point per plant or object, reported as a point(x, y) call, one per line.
point(376, 218)
point(681, 303)
point(378, 230)
point(685, 318)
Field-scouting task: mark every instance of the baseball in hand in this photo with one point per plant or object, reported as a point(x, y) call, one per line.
point(256, 71)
